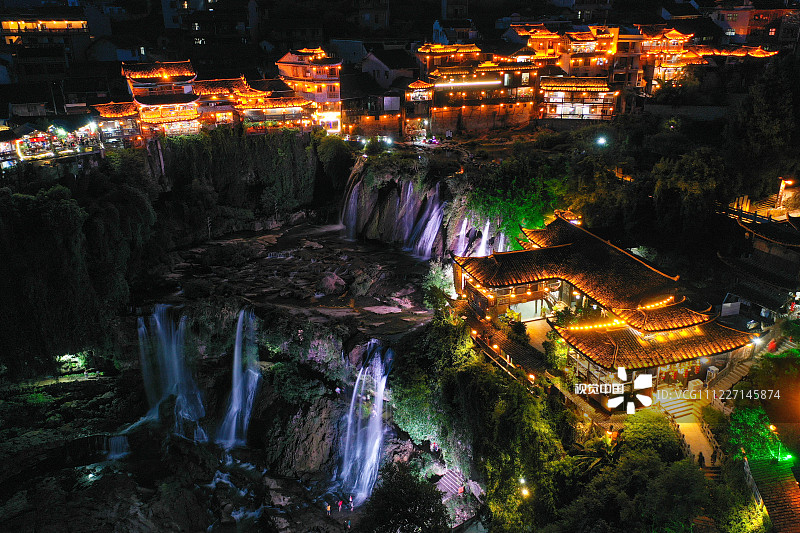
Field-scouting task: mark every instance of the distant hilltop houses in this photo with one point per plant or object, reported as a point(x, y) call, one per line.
point(69, 69)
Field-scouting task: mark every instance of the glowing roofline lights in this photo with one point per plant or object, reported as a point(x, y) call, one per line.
point(662, 303)
point(613, 323)
point(466, 83)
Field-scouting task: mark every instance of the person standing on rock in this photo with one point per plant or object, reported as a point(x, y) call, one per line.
point(340, 505)
point(327, 508)
point(714, 457)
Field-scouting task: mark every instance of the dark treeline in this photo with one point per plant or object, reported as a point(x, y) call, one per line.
point(73, 242)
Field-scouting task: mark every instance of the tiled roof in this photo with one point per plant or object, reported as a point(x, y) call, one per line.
point(668, 317)
point(735, 51)
point(429, 48)
point(783, 233)
point(272, 103)
point(580, 36)
point(116, 110)
point(158, 70)
point(612, 278)
point(212, 87)
point(571, 83)
point(624, 346)
point(750, 269)
point(167, 99)
point(419, 84)
point(537, 31)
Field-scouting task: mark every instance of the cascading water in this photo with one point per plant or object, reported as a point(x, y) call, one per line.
point(427, 226)
point(407, 213)
point(363, 443)
point(424, 246)
point(244, 383)
point(483, 249)
point(501, 243)
point(350, 214)
point(461, 245)
point(117, 447)
point(164, 372)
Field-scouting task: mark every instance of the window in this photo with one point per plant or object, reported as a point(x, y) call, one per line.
point(332, 90)
point(733, 16)
point(730, 32)
point(386, 74)
point(331, 72)
point(141, 50)
point(772, 32)
point(526, 78)
point(199, 41)
point(319, 88)
point(196, 26)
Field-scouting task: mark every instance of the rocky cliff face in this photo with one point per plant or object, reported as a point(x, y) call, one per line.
point(426, 219)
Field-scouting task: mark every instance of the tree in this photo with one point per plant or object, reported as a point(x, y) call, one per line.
point(401, 503)
point(650, 430)
point(336, 159)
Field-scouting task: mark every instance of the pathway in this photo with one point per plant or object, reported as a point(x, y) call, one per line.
point(779, 489)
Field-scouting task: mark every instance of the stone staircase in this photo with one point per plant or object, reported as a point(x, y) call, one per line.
point(740, 371)
point(679, 407)
point(713, 473)
point(449, 484)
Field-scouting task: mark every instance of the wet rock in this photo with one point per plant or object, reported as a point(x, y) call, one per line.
point(398, 450)
point(331, 284)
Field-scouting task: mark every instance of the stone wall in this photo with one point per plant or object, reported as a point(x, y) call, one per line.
point(481, 118)
point(370, 126)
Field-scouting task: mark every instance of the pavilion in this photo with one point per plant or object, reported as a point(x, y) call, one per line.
point(628, 313)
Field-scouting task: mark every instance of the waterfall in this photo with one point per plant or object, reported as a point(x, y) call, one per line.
point(424, 246)
point(117, 447)
point(483, 248)
point(427, 226)
point(350, 214)
point(363, 443)
point(501, 243)
point(407, 213)
point(461, 247)
point(244, 383)
point(164, 372)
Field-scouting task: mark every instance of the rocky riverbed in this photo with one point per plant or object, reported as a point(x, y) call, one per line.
point(55, 469)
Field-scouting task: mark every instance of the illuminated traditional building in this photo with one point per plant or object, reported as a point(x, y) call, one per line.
point(417, 108)
point(485, 83)
point(432, 56)
point(218, 99)
point(570, 97)
point(118, 120)
point(664, 52)
point(260, 110)
point(163, 96)
point(628, 313)
point(316, 77)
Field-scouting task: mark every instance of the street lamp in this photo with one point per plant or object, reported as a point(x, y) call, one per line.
point(601, 141)
point(774, 431)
